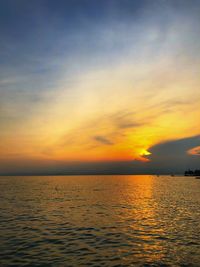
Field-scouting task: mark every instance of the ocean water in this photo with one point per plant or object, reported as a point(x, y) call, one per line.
point(99, 221)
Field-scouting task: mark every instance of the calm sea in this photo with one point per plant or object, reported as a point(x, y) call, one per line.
point(99, 221)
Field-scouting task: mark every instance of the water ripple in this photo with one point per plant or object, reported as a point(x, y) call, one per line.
point(99, 221)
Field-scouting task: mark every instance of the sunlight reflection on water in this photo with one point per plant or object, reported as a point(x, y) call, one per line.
point(100, 221)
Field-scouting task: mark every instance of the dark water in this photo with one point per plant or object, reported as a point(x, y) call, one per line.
point(99, 221)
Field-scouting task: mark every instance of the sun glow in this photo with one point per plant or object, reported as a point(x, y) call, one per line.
point(145, 153)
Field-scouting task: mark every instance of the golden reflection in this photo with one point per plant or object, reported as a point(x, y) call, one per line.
point(145, 224)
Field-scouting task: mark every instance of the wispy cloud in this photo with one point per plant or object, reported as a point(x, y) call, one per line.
point(103, 140)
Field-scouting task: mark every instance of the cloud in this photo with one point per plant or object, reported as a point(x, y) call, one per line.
point(194, 151)
point(173, 155)
point(103, 140)
point(123, 119)
point(75, 78)
point(178, 147)
point(168, 157)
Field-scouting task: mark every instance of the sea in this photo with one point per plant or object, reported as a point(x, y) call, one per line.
point(99, 220)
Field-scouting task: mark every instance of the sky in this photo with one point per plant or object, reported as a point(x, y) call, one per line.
point(99, 86)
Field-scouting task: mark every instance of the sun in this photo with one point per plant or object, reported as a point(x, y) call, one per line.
point(145, 152)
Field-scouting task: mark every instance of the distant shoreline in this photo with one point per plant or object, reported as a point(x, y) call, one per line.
point(98, 174)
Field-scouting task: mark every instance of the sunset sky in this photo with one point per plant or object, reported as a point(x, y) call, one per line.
point(99, 85)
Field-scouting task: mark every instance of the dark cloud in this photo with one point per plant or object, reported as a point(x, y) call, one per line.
point(173, 155)
point(103, 140)
point(175, 147)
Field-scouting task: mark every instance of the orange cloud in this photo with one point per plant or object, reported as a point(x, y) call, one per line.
point(194, 151)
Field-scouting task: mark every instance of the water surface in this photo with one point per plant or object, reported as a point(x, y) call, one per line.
point(99, 221)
